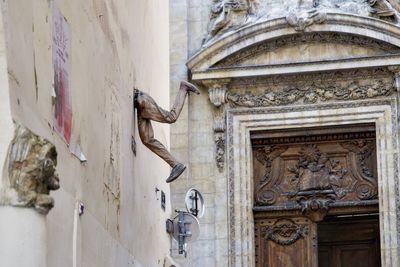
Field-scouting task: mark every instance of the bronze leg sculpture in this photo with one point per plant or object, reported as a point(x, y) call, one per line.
point(148, 110)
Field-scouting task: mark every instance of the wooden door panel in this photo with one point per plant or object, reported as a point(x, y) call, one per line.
point(348, 243)
point(286, 243)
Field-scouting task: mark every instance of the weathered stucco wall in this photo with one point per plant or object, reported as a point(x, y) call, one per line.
point(115, 46)
point(6, 128)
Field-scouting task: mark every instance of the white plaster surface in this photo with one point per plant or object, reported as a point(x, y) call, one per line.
point(23, 237)
point(6, 127)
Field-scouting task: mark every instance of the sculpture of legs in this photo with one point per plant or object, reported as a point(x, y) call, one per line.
point(148, 110)
point(147, 136)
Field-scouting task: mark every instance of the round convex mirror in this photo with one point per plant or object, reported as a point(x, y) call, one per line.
point(186, 224)
point(195, 203)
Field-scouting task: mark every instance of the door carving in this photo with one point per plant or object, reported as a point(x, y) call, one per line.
point(285, 242)
point(302, 176)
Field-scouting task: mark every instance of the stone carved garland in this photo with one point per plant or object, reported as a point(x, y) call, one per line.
point(230, 15)
point(284, 232)
point(311, 94)
point(220, 150)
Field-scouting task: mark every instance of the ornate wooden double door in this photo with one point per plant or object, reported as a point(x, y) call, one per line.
point(316, 197)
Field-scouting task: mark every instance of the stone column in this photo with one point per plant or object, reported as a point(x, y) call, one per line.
point(28, 175)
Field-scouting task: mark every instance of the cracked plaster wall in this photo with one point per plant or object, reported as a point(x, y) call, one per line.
point(115, 46)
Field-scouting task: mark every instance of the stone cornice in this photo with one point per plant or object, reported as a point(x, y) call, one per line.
point(284, 69)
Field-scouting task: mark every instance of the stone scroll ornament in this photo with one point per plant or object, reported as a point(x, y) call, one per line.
point(148, 110)
point(29, 172)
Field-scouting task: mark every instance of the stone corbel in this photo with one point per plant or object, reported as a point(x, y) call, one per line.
point(217, 93)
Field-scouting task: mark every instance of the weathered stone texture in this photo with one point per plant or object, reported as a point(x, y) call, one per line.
point(29, 172)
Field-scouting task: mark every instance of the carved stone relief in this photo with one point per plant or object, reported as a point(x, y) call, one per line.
point(313, 171)
point(313, 93)
point(301, 20)
point(29, 172)
point(230, 15)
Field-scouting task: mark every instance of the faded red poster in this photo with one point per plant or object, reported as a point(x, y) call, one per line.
point(61, 48)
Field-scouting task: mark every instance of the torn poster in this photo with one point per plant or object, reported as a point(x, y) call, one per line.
point(61, 49)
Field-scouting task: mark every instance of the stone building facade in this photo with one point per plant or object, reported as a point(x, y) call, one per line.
point(306, 72)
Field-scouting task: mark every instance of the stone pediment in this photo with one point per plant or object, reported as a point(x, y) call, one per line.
point(308, 47)
point(342, 41)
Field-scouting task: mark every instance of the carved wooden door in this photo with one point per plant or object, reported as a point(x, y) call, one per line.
point(300, 178)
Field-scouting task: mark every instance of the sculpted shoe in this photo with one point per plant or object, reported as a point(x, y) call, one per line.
point(190, 87)
point(176, 172)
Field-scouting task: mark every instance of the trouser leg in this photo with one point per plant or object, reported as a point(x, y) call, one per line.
point(178, 105)
point(151, 111)
point(147, 136)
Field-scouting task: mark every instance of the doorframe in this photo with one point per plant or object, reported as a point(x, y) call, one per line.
point(240, 122)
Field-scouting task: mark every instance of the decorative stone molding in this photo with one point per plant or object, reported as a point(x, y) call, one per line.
point(217, 93)
point(312, 94)
point(254, 51)
point(29, 172)
point(219, 137)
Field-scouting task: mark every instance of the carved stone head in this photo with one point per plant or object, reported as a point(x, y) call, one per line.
point(29, 172)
